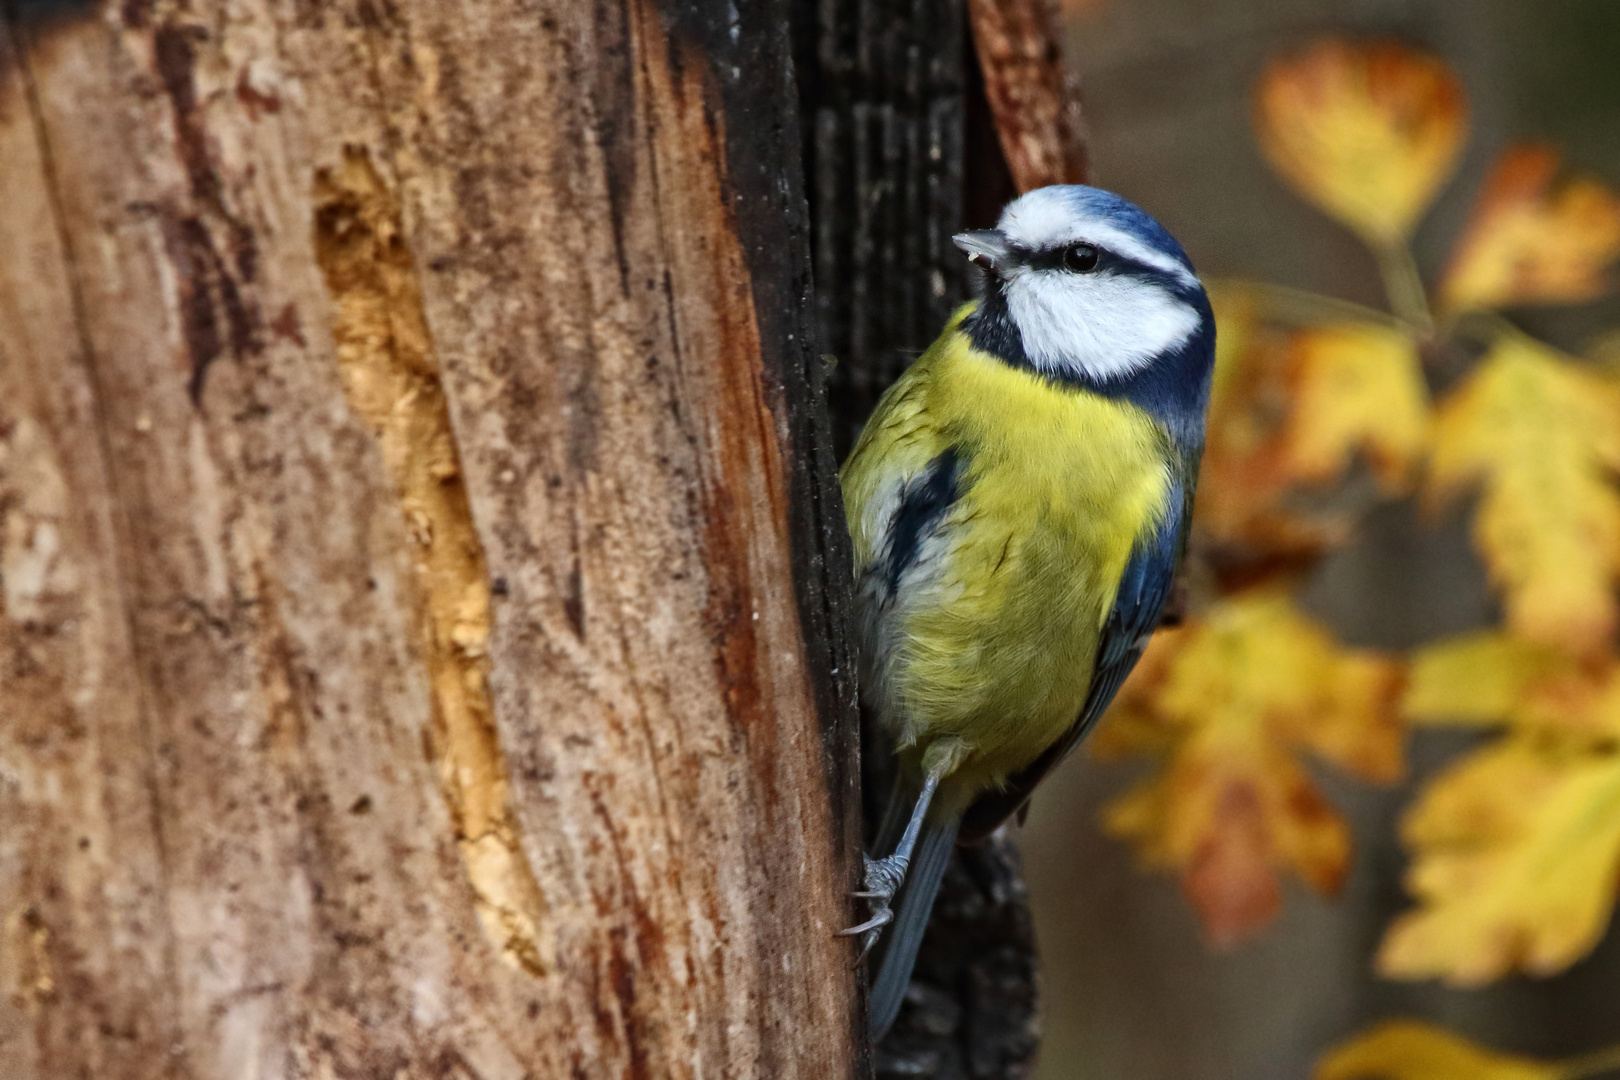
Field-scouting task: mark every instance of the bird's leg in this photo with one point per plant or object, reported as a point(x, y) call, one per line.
point(883, 877)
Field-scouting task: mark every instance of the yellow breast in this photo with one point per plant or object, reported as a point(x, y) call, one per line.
point(995, 644)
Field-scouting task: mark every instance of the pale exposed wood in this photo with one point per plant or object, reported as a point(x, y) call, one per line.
point(404, 466)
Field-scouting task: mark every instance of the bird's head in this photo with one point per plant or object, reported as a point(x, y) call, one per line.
point(1084, 286)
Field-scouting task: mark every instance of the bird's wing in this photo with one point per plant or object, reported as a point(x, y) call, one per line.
point(1143, 590)
point(899, 483)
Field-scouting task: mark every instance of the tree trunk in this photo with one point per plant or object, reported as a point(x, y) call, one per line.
point(419, 551)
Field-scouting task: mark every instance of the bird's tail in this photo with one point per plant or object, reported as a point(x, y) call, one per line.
point(905, 934)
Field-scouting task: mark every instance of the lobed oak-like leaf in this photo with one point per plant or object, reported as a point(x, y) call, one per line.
point(1366, 131)
point(1540, 436)
point(1247, 474)
point(1517, 850)
point(1516, 847)
point(1244, 476)
point(1411, 1050)
point(1227, 703)
point(1483, 678)
point(1491, 678)
point(1528, 241)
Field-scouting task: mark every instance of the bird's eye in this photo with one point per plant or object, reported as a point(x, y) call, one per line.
point(1080, 258)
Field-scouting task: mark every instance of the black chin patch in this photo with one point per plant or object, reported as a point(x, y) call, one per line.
point(992, 330)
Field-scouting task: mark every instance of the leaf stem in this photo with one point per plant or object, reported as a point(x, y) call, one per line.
point(1403, 285)
point(1303, 307)
point(1599, 1061)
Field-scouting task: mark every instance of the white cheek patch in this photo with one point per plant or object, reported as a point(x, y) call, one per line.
point(1099, 325)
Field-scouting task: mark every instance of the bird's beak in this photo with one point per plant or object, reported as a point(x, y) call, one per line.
point(986, 248)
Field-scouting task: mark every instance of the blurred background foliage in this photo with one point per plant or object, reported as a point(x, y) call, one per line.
point(1369, 792)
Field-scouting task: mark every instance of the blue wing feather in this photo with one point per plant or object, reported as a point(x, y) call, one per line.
point(1138, 606)
point(923, 505)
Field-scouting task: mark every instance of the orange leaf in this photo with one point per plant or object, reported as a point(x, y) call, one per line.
point(1541, 437)
point(1366, 131)
point(1247, 474)
point(1288, 411)
point(1134, 727)
point(1526, 242)
point(1226, 702)
point(1357, 386)
point(1409, 1050)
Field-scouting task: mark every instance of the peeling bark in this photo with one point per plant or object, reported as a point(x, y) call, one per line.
point(421, 565)
point(422, 574)
point(1034, 98)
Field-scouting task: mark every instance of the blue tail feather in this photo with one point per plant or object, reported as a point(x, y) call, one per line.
point(905, 934)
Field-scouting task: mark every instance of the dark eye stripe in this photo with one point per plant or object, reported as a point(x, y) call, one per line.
point(1108, 263)
point(1057, 258)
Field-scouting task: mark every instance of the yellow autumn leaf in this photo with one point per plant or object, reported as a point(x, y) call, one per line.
point(1492, 678)
point(1242, 478)
point(1527, 242)
point(1481, 678)
point(1580, 702)
point(1521, 883)
point(1410, 1050)
point(1366, 131)
point(1517, 848)
point(1227, 702)
point(1132, 726)
point(1541, 437)
point(1357, 386)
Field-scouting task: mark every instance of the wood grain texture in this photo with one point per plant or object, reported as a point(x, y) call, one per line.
point(420, 558)
point(1036, 103)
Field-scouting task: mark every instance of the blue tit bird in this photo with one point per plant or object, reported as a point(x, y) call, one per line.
point(1018, 503)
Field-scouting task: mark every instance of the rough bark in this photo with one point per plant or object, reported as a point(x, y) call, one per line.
point(416, 654)
point(884, 93)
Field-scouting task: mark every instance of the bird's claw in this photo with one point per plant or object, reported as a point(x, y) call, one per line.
point(870, 930)
point(882, 878)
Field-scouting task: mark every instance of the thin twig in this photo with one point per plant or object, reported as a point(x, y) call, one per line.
point(1403, 285)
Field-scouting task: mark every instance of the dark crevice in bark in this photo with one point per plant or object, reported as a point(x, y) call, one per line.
point(882, 87)
point(901, 151)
